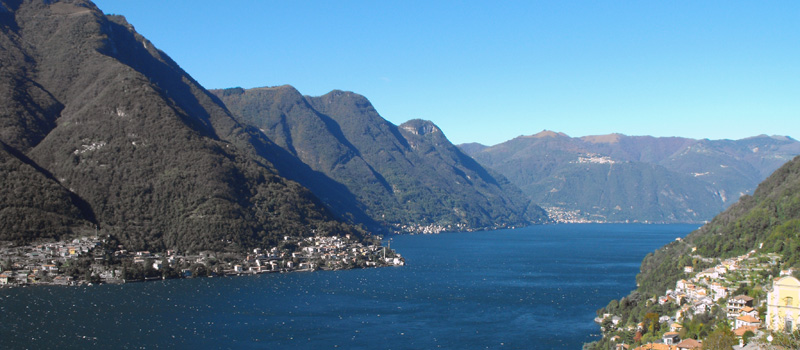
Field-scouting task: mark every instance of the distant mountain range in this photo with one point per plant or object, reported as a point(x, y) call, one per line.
point(102, 132)
point(409, 177)
point(618, 178)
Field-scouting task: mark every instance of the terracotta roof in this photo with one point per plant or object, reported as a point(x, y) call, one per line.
point(689, 344)
point(652, 346)
point(739, 332)
point(743, 297)
point(748, 319)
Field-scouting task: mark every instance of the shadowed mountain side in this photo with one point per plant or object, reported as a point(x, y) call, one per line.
point(161, 163)
point(29, 111)
point(285, 117)
point(337, 197)
point(34, 205)
point(409, 175)
point(472, 147)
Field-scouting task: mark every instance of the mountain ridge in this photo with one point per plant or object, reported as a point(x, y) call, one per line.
point(113, 123)
point(712, 174)
point(406, 176)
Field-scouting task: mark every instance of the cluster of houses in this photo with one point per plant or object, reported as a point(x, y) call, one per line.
point(698, 294)
point(44, 263)
point(40, 263)
point(712, 286)
point(326, 253)
point(565, 216)
point(430, 229)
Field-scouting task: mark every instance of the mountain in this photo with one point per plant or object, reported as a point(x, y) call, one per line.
point(102, 131)
point(33, 204)
point(759, 233)
point(614, 178)
point(409, 177)
point(769, 219)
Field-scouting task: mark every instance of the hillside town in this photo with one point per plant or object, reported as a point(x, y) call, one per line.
point(92, 260)
point(738, 295)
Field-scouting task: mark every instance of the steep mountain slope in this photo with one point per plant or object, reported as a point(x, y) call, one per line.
point(635, 178)
point(770, 216)
point(33, 204)
point(114, 126)
point(407, 177)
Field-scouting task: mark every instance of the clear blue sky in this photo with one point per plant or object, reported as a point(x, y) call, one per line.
point(489, 71)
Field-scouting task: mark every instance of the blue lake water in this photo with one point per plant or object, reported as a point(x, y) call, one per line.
point(530, 288)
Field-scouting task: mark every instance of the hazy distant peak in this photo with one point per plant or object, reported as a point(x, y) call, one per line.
point(339, 94)
point(420, 127)
point(471, 148)
point(286, 90)
point(346, 99)
point(284, 87)
point(774, 137)
point(547, 133)
point(610, 138)
point(232, 91)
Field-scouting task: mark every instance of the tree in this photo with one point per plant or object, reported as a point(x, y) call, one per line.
point(651, 324)
point(746, 336)
point(782, 341)
point(720, 339)
point(607, 324)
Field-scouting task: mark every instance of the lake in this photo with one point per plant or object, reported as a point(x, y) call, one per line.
point(529, 288)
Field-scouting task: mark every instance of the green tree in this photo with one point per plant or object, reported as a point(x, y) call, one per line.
point(746, 336)
point(651, 324)
point(720, 339)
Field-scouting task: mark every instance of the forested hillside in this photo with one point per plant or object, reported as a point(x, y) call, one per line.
point(409, 177)
point(757, 238)
point(771, 216)
point(101, 130)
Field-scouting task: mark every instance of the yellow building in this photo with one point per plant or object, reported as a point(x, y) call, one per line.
point(783, 305)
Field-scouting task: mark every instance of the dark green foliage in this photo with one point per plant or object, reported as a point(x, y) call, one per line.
point(33, 204)
point(771, 216)
point(232, 91)
point(662, 268)
point(720, 339)
point(651, 179)
point(99, 127)
point(360, 163)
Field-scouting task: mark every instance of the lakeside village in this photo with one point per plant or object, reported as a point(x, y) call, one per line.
point(92, 260)
point(738, 294)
